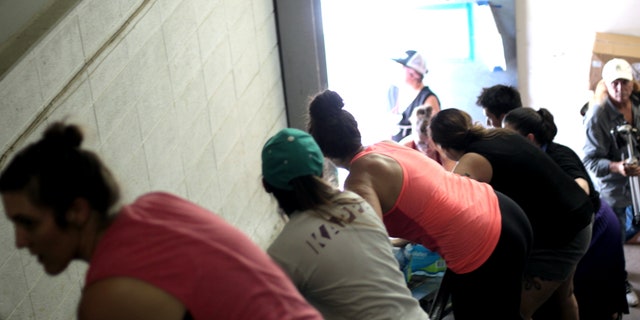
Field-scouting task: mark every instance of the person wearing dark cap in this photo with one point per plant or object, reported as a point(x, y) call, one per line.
point(414, 94)
point(333, 246)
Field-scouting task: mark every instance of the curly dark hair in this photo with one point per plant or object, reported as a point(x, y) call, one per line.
point(499, 99)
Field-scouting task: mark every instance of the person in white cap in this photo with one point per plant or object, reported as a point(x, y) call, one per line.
point(603, 156)
point(415, 93)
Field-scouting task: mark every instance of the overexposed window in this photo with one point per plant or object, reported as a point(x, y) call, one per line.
point(361, 37)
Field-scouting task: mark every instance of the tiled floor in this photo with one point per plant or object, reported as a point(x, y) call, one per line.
point(632, 255)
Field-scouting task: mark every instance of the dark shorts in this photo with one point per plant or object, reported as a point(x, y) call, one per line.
point(557, 264)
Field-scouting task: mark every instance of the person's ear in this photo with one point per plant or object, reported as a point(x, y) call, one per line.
point(531, 137)
point(79, 212)
point(501, 120)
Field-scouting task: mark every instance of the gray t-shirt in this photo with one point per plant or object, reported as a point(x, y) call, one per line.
point(345, 269)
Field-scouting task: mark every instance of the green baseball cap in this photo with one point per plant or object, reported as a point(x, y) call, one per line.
point(289, 154)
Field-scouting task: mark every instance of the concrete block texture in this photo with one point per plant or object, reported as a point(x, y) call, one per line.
point(177, 96)
point(21, 100)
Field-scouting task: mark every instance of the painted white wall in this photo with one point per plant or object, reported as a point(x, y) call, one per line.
point(174, 95)
point(554, 43)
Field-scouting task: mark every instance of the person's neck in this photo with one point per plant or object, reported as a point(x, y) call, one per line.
point(418, 85)
point(345, 163)
point(621, 105)
point(457, 154)
point(90, 236)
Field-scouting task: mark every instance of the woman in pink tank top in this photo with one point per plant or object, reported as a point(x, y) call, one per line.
point(483, 235)
point(160, 257)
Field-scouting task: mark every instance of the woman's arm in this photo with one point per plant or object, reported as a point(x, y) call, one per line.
point(360, 182)
point(433, 102)
point(128, 299)
point(475, 166)
point(399, 242)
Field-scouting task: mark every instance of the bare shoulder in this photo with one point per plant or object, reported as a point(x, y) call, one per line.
point(374, 165)
point(361, 179)
point(377, 178)
point(475, 166)
point(128, 298)
point(433, 102)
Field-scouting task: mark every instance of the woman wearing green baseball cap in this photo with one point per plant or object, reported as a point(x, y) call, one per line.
point(333, 246)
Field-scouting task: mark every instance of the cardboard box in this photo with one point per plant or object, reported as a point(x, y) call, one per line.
point(608, 46)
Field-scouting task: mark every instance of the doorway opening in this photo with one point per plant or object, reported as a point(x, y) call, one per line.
point(468, 45)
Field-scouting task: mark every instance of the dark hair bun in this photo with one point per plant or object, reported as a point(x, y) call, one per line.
point(545, 114)
point(326, 104)
point(60, 135)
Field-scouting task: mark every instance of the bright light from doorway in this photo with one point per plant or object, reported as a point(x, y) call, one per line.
point(361, 37)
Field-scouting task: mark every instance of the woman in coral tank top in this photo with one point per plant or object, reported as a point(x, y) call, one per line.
point(483, 236)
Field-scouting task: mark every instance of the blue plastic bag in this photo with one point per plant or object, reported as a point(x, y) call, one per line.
point(422, 261)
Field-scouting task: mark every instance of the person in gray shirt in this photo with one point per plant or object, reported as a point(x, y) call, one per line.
point(606, 157)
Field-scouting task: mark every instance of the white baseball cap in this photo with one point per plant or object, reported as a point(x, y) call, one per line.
point(413, 60)
point(617, 68)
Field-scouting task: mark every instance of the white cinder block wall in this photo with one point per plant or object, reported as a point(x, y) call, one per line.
point(173, 95)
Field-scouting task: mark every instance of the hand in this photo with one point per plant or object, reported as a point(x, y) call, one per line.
point(631, 170)
point(624, 168)
point(399, 242)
